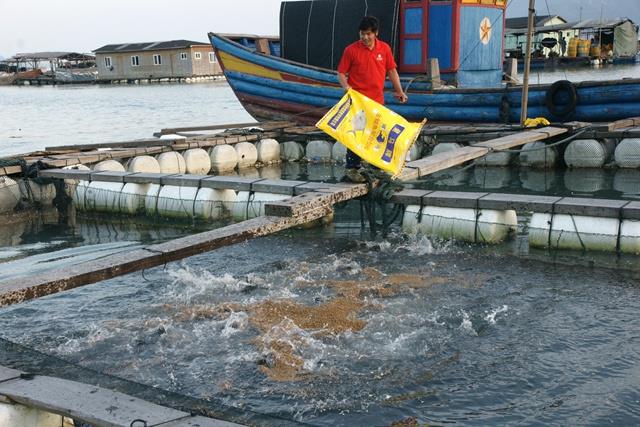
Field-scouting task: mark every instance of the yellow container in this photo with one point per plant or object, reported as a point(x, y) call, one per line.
point(595, 51)
point(573, 42)
point(583, 47)
point(572, 52)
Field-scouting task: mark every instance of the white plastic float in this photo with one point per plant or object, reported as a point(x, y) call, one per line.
point(268, 151)
point(171, 162)
point(318, 151)
point(146, 164)
point(628, 153)
point(213, 204)
point(445, 147)
point(108, 166)
point(223, 158)
point(132, 198)
point(585, 153)
point(197, 161)
point(151, 199)
point(38, 193)
point(247, 154)
point(16, 415)
point(339, 153)
point(583, 233)
point(291, 151)
point(176, 202)
point(534, 155)
point(9, 194)
point(491, 226)
point(251, 205)
point(103, 196)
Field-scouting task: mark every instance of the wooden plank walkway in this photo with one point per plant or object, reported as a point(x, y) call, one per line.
point(91, 404)
point(431, 164)
point(604, 208)
point(312, 204)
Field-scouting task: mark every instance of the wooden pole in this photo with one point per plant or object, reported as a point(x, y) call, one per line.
point(527, 63)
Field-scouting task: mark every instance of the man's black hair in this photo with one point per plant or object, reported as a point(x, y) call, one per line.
point(369, 23)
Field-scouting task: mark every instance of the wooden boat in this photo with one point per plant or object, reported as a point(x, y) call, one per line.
point(274, 88)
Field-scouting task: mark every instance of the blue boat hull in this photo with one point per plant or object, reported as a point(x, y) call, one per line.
point(272, 88)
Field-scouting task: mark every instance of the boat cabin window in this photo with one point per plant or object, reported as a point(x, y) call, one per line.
point(135, 61)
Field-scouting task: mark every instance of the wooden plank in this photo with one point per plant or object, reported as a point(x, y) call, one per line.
point(453, 199)
point(322, 199)
point(277, 186)
point(619, 124)
point(150, 142)
point(311, 186)
point(438, 162)
point(631, 211)
point(70, 277)
point(7, 374)
point(518, 202)
point(66, 174)
point(109, 176)
point(266, 125)
point(87, 403)
point(409, 197)
point(237, 183)
point(590, 207)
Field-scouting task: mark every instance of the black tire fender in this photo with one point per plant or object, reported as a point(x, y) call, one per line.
point(554, 90)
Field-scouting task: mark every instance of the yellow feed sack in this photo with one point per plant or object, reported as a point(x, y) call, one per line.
point(379, 136)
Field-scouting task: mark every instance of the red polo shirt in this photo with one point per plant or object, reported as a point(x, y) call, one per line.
point(367, 68)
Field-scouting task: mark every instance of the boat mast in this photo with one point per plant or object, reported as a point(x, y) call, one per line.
point(527, 63)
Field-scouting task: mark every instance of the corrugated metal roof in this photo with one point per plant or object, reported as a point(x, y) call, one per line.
point(140, 47)
point(577, 25)
point(522, 22)
point(52, 55)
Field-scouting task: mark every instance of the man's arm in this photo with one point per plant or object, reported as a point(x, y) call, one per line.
point(342, 78)
point(395, 81)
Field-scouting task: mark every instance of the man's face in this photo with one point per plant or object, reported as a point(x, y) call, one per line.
point(368, 38)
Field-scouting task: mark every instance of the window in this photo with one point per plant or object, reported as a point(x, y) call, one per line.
point(157, 59)
point(107, 61)
point(212, 57)
point(135, 61)
point(183, 56)
point(198, 55)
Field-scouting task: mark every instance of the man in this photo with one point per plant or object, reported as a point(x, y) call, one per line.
point(364, 66)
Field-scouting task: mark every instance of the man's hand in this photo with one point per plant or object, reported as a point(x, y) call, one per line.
point(401, 96)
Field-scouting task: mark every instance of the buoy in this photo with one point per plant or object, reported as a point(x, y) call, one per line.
point(575, 232)
point(585, 153)
point(487, 226)
point(132, 198)
point(533, 155)
point(291, 151)
point(38, 193)
point(172, 137)
point(247, 154)
point(197, 161)
point(213, 204)
point(581, 181)
point(270, 172)
point(9, 194)
point(103, 196)
point(176, 202)
point(108, 166)
point(339, 153)
point(151, 199)
point(268, 151)
point(146, 164)
point(415, 152)
point(251, 205)
point(75, 189)
point(16, 415)
point(171, 162)
point(223, 158)
point(444, 147)
point(499, 159)
point(628, 153)
point(318, 151)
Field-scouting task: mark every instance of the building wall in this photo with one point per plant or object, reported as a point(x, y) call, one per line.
point(172, 64)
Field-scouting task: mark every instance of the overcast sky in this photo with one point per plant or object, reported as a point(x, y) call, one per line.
point(84, 25)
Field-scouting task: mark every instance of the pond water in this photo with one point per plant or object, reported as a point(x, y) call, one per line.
point(329, 326)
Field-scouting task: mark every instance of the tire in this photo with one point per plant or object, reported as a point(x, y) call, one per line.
point(556, 88)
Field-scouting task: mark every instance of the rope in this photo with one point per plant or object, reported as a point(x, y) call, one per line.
point(619, 236)
point(550, 222)
point(381, 189)
point(575, 227)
